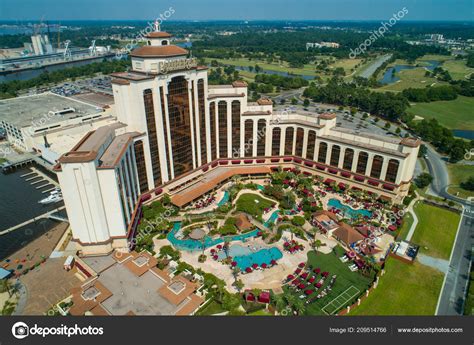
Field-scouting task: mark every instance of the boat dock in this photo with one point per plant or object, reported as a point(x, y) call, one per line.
point(49, 215)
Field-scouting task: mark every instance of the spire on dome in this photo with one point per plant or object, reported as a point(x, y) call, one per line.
point(157, 26)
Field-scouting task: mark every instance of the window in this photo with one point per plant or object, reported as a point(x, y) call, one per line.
point(152, 135)
point(289, 141)
point(235, 110)
point(335, 153)
point(299, 142)
point(248, 142)
point(311, 145)
point(392, 170)
point(222, 112)
point(141, 168)
point(348, 158)
point(323, 150)
point(362, 162)
point(261, 136)
point(165, 126)
point(180, 125)
point(212, 123)
point(276, 134)
point(377, 163)
point(202, 120)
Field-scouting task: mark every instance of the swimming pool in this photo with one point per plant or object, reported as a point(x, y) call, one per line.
point(193, 245)
point(224, 199)
point(347, 210)
point(246, 257)
point(272, 219)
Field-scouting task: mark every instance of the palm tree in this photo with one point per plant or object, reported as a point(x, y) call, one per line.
point(239, 285)
point(298, 306)
point(279, 302)
point(316, 245)
point(5, 286)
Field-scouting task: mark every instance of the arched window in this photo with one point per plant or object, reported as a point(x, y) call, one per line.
point(212, 123)
point(222, 113)
point(164, 42)
point(152, 135)
point(235, 112)
point(248, 142)
point(392, 170)
point(311, 145)
point(335, 153)
point(362, 162)
point(299, 142)
point(348, 158)
point(261, 136)
point(276, 135)
point(323, 150)
point(377, 163)
point(289, 141)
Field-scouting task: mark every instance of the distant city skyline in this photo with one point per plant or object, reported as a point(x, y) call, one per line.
point(430, 10)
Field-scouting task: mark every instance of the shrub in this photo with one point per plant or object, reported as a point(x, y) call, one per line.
point(298, 221)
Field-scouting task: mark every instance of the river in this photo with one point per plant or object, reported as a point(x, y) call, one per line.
point(390, 75)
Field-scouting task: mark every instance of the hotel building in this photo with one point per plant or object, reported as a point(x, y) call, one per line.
point(178, 135)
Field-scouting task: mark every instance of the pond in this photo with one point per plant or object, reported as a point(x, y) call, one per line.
point(245, 256)
point(391, 77)
point(464, 133)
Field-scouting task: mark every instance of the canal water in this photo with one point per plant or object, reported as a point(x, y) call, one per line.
point(19, 203)
point(463, 133)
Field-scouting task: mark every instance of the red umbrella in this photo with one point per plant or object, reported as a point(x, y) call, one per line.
point(295, 282)
point(316, 270)
point(233, 263)
point(248, 270)
point(290, 277)
point(259, 233)
point(219, 246)
point(254, 266)
point(264, 265)
point(213, 250)
point(312, 279)
point(273, 262)
point(325, 274)
point(215, 257)
point(304, 275)
point(298, 271)
point(301, 286)
point(309, 292)
point(318, 285)
point(301, 265)
point(286, 244)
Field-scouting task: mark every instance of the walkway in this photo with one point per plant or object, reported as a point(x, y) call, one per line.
point(438, 264)
point(415, 218)
point(45, 215)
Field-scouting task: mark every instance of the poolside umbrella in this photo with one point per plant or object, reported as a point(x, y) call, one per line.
point(316, 270)
point(298, 271)
point(318, 285)
point(219, 246)
point(290, 277)
point(213, 250)
point(301, 265)
point(264, 265)
point(215, 257)
point(304, 275)
point(286, 244)
point(295, 282)
point(301, 286)
point(309, 292)
point(312, 279)
point(259, 233)
point(325, 274)
point(254, 266)
point(273, 262)
point(248, 270)
point(233, 263)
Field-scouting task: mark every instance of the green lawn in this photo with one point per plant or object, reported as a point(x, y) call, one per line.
point(403, 290)
point(345, 279)
point(414, 78)
point(252, 204)
point(457, 174)
point(455, 114)
point(260, 312)
point(407, 222)
point(436, 230)
point(210, 309)
point(457, 69)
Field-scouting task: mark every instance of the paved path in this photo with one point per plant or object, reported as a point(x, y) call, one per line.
point(415, 219)
point(45, 215)
point(438, 264)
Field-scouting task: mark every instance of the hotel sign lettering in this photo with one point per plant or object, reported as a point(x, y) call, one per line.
point(177, 65)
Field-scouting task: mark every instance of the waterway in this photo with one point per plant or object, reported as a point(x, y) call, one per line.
point(463, 133)
point(391, 77)
point(19, 203)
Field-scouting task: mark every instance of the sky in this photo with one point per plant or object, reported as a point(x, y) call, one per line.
point(445, 10)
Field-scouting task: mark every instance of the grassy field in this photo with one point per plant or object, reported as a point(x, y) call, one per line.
point(457, 174)
point(456, 114)
point(345, 279)
point(252, 204)
point(436, 230)
point(210, 309)
point(403, 290)
point(407, 222)
point(457, 68)
point(414, 78)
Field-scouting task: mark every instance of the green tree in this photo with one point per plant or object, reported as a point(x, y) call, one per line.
point(306, 103)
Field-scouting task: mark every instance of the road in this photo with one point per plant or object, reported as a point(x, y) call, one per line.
point(453, 292)
point(367, 73)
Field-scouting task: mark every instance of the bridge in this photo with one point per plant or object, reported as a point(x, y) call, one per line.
point(49, 215)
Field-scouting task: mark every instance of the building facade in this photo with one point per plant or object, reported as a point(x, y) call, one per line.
point(182, 127)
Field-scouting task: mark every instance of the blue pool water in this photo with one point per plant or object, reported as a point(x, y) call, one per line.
point(224, 199)
point(245, 257)
point(272, 219)
point(193, 245)
point(347, 210)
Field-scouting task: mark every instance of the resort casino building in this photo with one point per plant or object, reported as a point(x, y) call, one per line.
point(178, 135)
